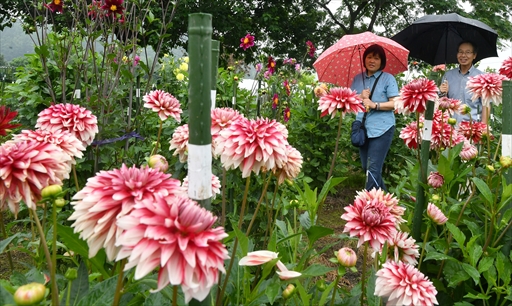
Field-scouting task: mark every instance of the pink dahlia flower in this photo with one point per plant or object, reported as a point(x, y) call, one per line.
point(403, 248)
point(340, 98)
point(164, 104)
point(252, 145)
point(222, 117)
point(438, 68)
point(257, 258)
point(175, 235)
point(271, 65)
point(215, 184)
point(435, 180)
point(63, 139)
point(486, 86)
point(473, 130)
point(387, 198)
point(311, 48)
point(450, 105)
point(436, 214)
point(415, 94)
point(291, 168)
point(179, 142)
point(409, 134)
point(112, 194)
point(75, 119)
point(369, 221)
point(27, 167)
point(468, 151)
point(403, 284)
point(247, 41)
point(506, 68)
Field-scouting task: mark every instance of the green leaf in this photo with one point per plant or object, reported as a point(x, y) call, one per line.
point(438, 256)
point(272, 289)
point(458, 235)
point(503, 267)
point(243, 241)
point(471, 271)
point(316, 270)
point(474, 250)
point(305, 220)
point(444, 169)
point(484, 190)
point(102, 294)
point(479, 296)
point(317, 232)
point(4, 243)
point(485, 263)
point(304, 296)
point(79, 287)
point(326, 294)
point(79, 246)
point(6, 297)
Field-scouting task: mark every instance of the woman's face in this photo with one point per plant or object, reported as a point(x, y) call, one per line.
point(372, 63)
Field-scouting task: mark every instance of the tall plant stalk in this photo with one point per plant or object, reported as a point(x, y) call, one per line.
point(335, 147)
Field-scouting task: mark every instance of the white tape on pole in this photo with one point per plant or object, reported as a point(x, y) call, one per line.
point(506, 145)
point(213, 96)
point(427, 130)
point(199, 171)
point(78, 94)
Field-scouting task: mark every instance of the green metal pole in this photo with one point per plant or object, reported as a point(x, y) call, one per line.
point(422, 177)
point(200, 137)
point(215, 67)
point(506, 150)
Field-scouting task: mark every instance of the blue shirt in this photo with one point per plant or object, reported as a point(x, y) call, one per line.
point(457, 90)
point(377, 122)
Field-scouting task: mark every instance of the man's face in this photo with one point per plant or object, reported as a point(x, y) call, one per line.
point(466, 54)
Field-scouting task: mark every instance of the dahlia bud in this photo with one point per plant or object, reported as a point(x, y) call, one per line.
point(435, 198)
point(505, 161)
point(319, 91)
point(59, 202)
point(320, 285)
point(452, 121)
point(230, 68)
point(465, 109)
point(436, 214)
point(347, 257)
point(491, 168)
point(235, 78)
point(435, 179)
point(290, 289)
point(29, 294)
point(420, 125)
point(71, 274)
point(158, 162)
point(51, 191)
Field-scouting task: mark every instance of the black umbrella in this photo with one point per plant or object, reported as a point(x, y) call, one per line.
point(435, 38)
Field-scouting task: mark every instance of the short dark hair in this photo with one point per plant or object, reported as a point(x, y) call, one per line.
point(378, 50)
point(475, 48)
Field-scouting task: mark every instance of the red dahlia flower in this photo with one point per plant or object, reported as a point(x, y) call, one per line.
point(414, 95)
point(6, 115)
point(113, 7)
point(506, 68)
point(311, 48)
point(56, 6)
point(247, 41)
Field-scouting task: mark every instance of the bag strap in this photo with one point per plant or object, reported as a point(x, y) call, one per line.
point(371, 94)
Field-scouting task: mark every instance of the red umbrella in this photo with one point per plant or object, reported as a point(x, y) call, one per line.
point(344, 60)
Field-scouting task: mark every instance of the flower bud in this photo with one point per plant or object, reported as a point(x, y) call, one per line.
point(420, 125)
point(180, 77)
point(452, 121)
point(320, 285)
point(29, 294)
point(290, 289)
point(505, 161)
point(230, 68)
point(51, 191)
point(235, 78)
point(59, 202)
point(347, 257)
point(158, 162)
point(71, 274)
point(490, 168)
point(436, 214)
point(435, 197)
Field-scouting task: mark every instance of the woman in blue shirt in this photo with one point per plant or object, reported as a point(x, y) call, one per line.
point(380, 118)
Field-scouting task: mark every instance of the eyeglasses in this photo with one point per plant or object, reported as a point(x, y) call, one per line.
point(468, 53)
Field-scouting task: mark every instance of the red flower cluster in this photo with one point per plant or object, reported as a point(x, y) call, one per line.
point(506, 68)
point(311, 48)
point(6, 115)
point(247, 41)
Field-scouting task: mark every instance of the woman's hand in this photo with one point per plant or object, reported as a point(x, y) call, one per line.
point(365, 94)
point(369, 104)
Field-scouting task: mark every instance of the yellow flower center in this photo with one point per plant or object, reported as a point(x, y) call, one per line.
point(113, 7)
point(246, 40)
point(57, 2)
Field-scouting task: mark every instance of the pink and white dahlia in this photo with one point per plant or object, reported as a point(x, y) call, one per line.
point(415, 94)
point(468, 151)
point(403, 248)
point(175, 235)
point(222, 117)
point(179, 142)
point(435, 180)
point(63, 139)
point(346, 257)
point(340, 98)
point(291, 168)
point(409, 134)
point(215, 184)
point(369, 221)
point(257, 258)
point(27, 167)
point(486, 86)
point(75, 119)
point(450, 105)
point(436, 214)
point(438, 68)
point(387, 198)
point(473, 130)
point(284, 273)
point(164, 104)
point(403, 284)
point(253, 145)
point(506, 68)
point(113, 194)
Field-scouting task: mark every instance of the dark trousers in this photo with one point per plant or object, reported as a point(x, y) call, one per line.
point(373, 153)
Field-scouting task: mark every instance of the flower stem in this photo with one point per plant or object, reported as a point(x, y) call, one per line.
point(4, 234)
point(53, 280)
point(335, 289)
point(263, 193)
point(119, 286)
point(155, 149)
point(335, 148)
point(68, 296)
point(423, 247)
point(174, 295)
point(76, 178)
point(363, 273)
